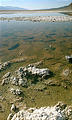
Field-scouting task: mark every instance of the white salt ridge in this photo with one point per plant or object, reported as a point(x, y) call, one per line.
point(58, 112)
point(41, 18)
point(38, 71)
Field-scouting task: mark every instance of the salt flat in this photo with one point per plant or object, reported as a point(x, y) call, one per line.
point(40, 18)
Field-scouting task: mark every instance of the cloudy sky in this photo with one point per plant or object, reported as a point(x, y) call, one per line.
point(35, 4)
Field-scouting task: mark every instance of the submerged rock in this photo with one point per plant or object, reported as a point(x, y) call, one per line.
point(66, 72)
point(5, 81)
point(69, 58)
point(6, 78)
point(13, 108)
point(31, 69)
point(40, 72)
point(60, 106)
point(35, 64)
point(58, 112)
point(52, 82)
point(14, 80)
point(22, 82)
point(7, 75)
point(15, 91)
point(3, 66)
point(1, 108)
point(40, 87)
point(21, 76)
point(2, 99)
point(10, 116)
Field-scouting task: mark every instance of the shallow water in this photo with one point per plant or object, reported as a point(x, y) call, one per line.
point(31, 14)
point(27, 37)
point(36, 41)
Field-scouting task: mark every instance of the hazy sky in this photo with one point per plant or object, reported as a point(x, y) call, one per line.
point(35, 4)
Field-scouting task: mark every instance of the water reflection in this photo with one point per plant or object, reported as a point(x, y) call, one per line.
point(32, 38)
point(31, 14)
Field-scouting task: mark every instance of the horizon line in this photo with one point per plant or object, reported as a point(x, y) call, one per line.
point(34, 9)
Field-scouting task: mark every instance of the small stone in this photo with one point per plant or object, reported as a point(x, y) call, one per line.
point(61, 105)
point(13, 108)
point(22, 82)
point(15, 91)
point(14, 80)
point(2, 98)
point(10, 116)
point(69, 58)
point(7, 75)
point(66, 72)
point(5, 81)
point(1, 108)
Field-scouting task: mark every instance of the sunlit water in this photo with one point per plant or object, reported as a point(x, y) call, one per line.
point(15, 35)
point(31, 14)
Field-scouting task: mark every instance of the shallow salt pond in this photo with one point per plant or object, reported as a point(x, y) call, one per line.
point(30, 37)
point(31, 14)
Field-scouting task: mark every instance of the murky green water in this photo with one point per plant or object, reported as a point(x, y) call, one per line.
point(49, 42)
point(16, 35)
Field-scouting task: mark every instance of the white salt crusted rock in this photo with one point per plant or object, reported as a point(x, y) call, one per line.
point(38, 71)
point(13, 108)
point(5, 81)
point(41, 18)
point(19, 78)
point(69, 58)
point(4, 65)
point(7, 75)
point(15, 91)
point(10, 116)
point(58, 112)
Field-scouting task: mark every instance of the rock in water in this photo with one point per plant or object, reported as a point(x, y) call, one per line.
point(58, 112)
point(69, 58)
point(6, 78)
point(66, 72)
point(21, 76)
point(5, 81)
point(10, 116)
point(4, 65)
point(13, 108)
point(7, 75)
point(15, 91)
point(39, 72)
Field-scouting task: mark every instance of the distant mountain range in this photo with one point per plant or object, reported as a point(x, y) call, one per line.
point(69, 7)
point(65, 8)
point(11, 8)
